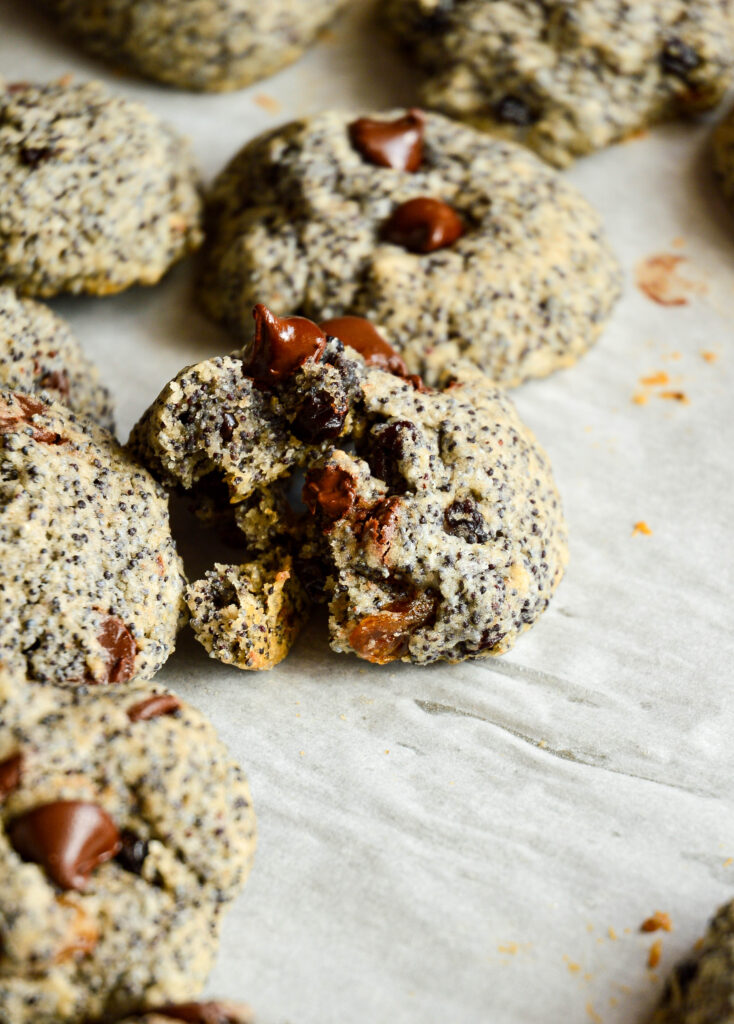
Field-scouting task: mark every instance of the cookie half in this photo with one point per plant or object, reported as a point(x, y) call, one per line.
point(124, 830)
point(39, 354)
point(92, 589)
point(457, 244)
point(96, 194)
point(568, 78)
point(196, 44)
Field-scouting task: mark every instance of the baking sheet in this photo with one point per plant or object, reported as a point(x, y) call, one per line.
point(480, 843)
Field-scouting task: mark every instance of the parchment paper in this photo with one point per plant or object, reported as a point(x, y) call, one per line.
point(478, 844)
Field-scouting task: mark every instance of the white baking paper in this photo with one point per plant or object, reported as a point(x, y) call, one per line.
point(478, 844)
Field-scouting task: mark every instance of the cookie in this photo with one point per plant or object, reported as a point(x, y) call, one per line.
point(92, 584)
point(248, 615)
point(195, 1013)
point(196, 44)
point(723, 156)
point(39, 354)
point(568, 78)
point(455, 243)
point(96, 194)
point(700, 989)
point(433, 522)
point(125, 828)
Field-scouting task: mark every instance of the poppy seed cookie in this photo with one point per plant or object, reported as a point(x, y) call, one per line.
point(455, 243)
point(568, 78)
point(441, 537)
point(96, 194)
point(124, 830)
point(700, 989)
point(38, 353)
point(92, 587)
point(196, 44)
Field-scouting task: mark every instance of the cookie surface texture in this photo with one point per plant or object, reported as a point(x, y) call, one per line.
point(196, 44)
point(39, 353)
point(568, 78)
point(96, 194)
point(92, 583)
point(125, 828)
point(480, 251)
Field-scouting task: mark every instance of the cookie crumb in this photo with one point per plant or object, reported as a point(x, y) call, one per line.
point(659, 920)
point(268, 103)
point(642, 528)
point(592, 1014)
point(656, 951)
point(654, 379)
point(710, 357)
point(657, 277)
point(675, 396)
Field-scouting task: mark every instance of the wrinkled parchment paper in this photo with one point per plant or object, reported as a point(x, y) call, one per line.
point(478, 844)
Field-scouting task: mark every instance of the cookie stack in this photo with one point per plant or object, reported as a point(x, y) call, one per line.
point(385, 278)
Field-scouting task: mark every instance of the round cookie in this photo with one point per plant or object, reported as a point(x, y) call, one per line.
point(92, 586)
point(124, 830)
point(195, 1013)
point(438, 536)
point(38, 353)
point(96, 194)
point(700, 989)
point(457, 244)
point(197, 44)
point(568, 78)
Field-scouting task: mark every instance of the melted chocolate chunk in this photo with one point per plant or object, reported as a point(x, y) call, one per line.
point(679, 59)
point(318, 418)
point(10, 770)
point(329, 492)
point(385, 635)
point(397, 144)
point(463, 519)
point(226, 430)
point(360, 335)
point(199, 1013)
point(424, 225)
point(56, 380)
point(281, 345)
point(385, 447)
point(378, 527)
point(69, 839)
point(22, 410)
point(514, 110)
point(121, 649)
point(153, 707)
point(132, 853)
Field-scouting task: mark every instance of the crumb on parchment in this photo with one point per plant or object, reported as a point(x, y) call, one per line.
point(642, 528)
point(656, 922)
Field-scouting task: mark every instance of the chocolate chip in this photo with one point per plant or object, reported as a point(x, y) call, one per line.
point(360, 335)
point(32, 156)
point(377, 528)
point(514, 110)
point(679, 59)
point(311, 573)
point(199, 1013)
point(281, 345)
point(56, 380)
point(385, 635)
point(397, 144)
point(424, 225)
point(384, 448)
point(226, 430)
point(329, 492)
point(10, 770)
point(463, 519)
point(153, 707)
point(121, 649)
point(132, 853)
point(69, 839)
point(319, 418)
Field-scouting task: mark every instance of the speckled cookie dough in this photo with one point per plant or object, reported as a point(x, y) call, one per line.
point(248, 615)
point(723, 153)
point(196, 1013)
point(39, 354)
point(92, 586)
point(568, 78)
point(310, 219)
point(700, 990)
point(207, 45)
point(441, 537)
point(96, 194)
point(124, 830)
